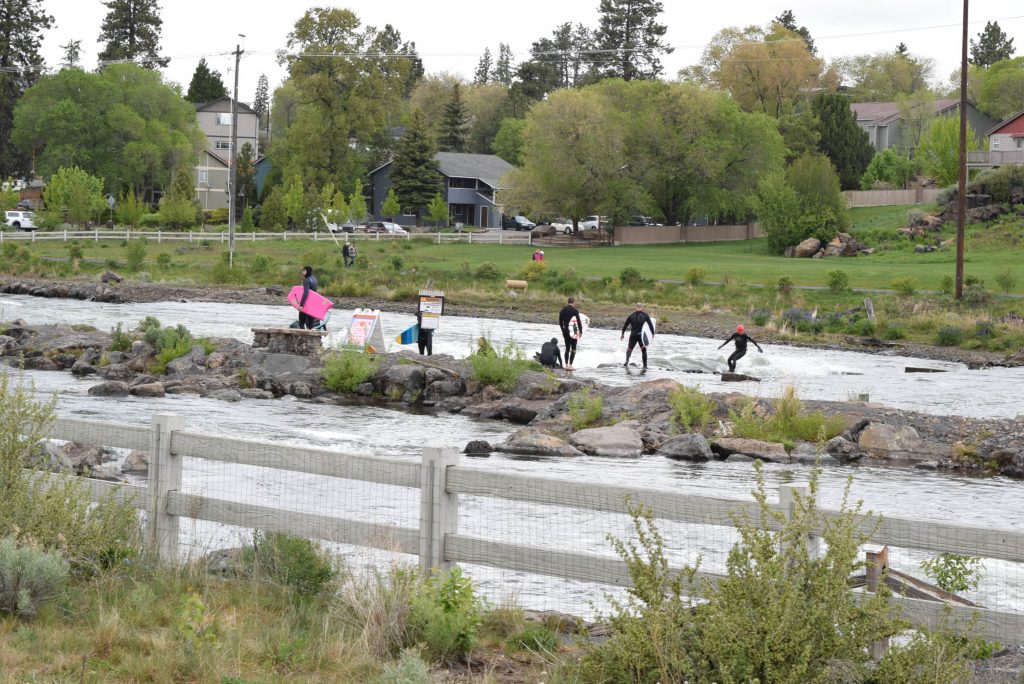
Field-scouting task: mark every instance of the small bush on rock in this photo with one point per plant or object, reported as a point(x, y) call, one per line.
point(949, 336)
point(445, 615)
point(501, 367)
point(787, 424)
point(120, 340)
point(693, 411)
point(29, 577)
point(346, 369)
point(585, 408)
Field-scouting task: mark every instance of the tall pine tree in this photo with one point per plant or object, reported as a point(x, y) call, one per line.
point(992, 46)
point(484, 67)
point(414, 173)
point(631, 34)
point(503, 67)
point(72, 54)
point(22, 23)
point(454, 123)
point(841, 139)
point(206, 85)
point(131, 31)
point(788, 20)
point(261, 103)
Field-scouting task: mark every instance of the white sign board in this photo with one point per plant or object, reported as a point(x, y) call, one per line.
point(431, 308)
point(366, 331)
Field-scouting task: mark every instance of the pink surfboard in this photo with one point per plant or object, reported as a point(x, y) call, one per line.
point(316, 305)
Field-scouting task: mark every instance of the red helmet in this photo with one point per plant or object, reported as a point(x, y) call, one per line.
point(739, 328)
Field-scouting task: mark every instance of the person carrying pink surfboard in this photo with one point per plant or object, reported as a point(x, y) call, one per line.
point(308, 284)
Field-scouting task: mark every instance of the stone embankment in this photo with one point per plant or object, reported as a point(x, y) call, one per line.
point(633, 421)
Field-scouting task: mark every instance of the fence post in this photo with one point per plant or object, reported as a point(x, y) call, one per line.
point(159, 236)
point(97, 236)
point(164, 477)
point(439, 509)
point(877, 564)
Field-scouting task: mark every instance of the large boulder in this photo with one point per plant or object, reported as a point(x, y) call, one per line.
point(530, 442)
point(842, 449)
point(137, 463)
point(8, 345)
point(442, 389)
point(115, 371)
point(148, 389)
point(689, 447)
point(190, 364)
point(724, 447)
point(807, 248)
point(880, 440)
point(113, 388)
point(401, 382)
point(621, 440)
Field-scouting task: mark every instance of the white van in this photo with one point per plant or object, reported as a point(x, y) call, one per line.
point(20, 220)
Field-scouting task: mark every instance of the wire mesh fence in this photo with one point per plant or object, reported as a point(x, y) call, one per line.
point(541, 542)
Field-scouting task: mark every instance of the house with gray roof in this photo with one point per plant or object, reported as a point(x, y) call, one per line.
point(470, 184)
point(885, 126)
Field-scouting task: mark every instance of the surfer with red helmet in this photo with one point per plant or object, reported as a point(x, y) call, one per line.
point(740, 337)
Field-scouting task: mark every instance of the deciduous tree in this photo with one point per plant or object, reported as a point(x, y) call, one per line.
point(357, 202)
point(437, 210)
point(630, 32)
point(888, 168)
point(508, 143)
point(123, 124)
point(131, 31)
point(391, 207)
point(22, 23)
point(206, 85)
point(1002, 88)
point(74, 194)
point(938, 152)
point(414, 172)
point(884, 76)
point(993, 45)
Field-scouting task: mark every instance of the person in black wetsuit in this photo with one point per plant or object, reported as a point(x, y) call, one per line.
point(308, 284)
point(741, 338)
point(635, 322)
point(425, 340)
point(565, 316)
point(549, 354)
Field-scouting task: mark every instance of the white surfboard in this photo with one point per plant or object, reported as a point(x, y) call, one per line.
point(647, 333)
point(574, 330)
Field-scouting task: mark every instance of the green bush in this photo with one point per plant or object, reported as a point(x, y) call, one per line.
point(787, 424)
point(487, 271)
point(169, 343)
point(445, 615)
point(631, 277)
point(534, 638)
point(289, 560)
point(120, 340)
point(261, 265)
point(163, 260)
point(75, 252)
point(976, 295)
point(954, 572)
point(693, 411)
point(695, 276)
point(862, 327)
point(135, 253)
point(346, 369)
point(585, 409)
point(781, 614)
point(501, 367)
point(784, 286)
point(949, 336)
point(999, 183)
point(1006, 281)
point(837, 281)
point(408, 669)
point(29, 577)
point(56, 514)
point(947, 285)
point(216, 216)
point(893, 332)
point(150, 221)
point(904, 286)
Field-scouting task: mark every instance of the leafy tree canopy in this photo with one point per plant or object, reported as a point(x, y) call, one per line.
point(630, 31)
point(938, 152)
point(22, 23)
point(1001, 90)
point(884, 76)
point(993, 45)
point(123, 124)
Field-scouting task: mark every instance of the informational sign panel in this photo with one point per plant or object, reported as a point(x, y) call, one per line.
point(366, 331)
point(431, 308)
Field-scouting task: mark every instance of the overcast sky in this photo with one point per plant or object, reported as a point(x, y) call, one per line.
point(451, 36)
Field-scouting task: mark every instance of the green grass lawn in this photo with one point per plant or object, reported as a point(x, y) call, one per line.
point(743, 261)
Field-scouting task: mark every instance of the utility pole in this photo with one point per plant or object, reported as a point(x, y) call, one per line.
point(232, 168)
point(961, 199)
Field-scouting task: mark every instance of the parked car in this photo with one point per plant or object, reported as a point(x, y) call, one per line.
point(385, 227)
point(562, 225)
point(643, 221)
point(20, 220)
point(346, 227)
point(591, 222)
point(518, 222)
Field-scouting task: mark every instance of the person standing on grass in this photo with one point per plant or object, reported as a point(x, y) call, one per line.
point(565, 317)
point(346, 254)
point(740, 337)
point(635, 323)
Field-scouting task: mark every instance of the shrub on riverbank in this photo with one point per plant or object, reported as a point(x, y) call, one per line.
point(346, 369)
point(501, 367)
point(780, 614)
point(585, 408)
point(788, 424)
point(693, 411)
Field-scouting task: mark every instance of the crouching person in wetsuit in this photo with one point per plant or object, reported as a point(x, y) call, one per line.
point(740, 338)
point(635, 323)
point(550, 355)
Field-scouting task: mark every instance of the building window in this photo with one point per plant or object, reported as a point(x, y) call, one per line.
point(1020, 143)
point(995, 144)
point(204, 176)
point(223, 145)
point(462, 183)
point(224, 118)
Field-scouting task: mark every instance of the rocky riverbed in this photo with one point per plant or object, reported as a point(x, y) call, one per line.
point(633, 420)
point(715, 325)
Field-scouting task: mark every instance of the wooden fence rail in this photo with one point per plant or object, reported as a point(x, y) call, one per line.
point(441, 481)
point(159, 236)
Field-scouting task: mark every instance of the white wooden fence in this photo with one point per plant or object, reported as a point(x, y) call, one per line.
point(441, 480)
point(161, 236)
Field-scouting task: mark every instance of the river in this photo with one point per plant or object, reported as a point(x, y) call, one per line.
point(826, 374)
